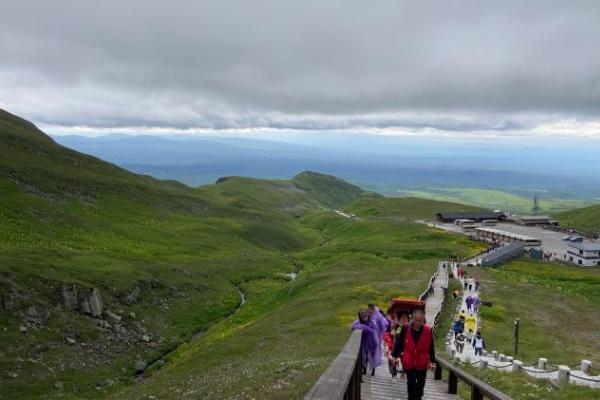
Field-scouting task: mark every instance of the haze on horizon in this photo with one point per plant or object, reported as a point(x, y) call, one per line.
point(452, 69)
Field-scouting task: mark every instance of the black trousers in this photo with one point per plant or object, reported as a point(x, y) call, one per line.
point(415, 383)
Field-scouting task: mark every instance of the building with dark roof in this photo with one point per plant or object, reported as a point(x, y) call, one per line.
point(475, 216)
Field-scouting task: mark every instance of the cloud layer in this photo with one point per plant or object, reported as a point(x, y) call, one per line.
point(455, 66)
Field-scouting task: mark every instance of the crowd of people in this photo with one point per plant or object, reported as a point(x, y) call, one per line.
point(404, 339)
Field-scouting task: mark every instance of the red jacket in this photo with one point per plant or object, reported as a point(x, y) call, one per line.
point(416, 356)
point(389, 341)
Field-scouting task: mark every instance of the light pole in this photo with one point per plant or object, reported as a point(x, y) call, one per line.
point(517, 322)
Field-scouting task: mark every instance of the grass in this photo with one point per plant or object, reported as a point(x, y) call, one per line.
point(498, 199)
point(68, 218)
point(586, 219)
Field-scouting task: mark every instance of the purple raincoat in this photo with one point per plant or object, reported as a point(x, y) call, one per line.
point(382, 324)
point(369, 346)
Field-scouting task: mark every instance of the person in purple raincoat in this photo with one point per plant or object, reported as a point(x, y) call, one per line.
point(469, 301)
point(380, 320)
point(370, 347)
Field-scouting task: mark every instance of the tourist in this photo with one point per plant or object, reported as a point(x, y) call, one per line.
point(380, 321)
point(388, 347)
point(459, 343)
point(458, 327)
point(476, 303)
point(478, 344)
point(469, 302)
point(369, 346)
point(403, 322)
point(470, 324)
point(416, 352)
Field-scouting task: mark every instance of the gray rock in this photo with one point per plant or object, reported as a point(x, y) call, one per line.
point(132, 315)
point(120, 329)
point(23, 329)
point(113, 316)
point(85, 307)
point(12, 375)
point(70, 341)
point(9, 301)
point(95, 301)
point(140, 366)
point(32, 312)
point(58, 385)
point(102, 323)
point(146, 338)
point(69, 295)
point(132, 297)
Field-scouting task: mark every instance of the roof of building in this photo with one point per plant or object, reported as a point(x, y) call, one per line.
point(586, 246)
point(500, 232)
point(472, 215)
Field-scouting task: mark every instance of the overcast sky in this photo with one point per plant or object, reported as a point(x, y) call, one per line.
point(390, 67)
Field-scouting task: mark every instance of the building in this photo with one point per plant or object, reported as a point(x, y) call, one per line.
point(475, 216)
point(531, 220)
point(584, 253)
point(498, 235)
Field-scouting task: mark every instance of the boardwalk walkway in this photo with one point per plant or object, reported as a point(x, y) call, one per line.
point(382, 386)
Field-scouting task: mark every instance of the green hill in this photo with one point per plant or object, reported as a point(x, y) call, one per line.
point(586, 219)
point(166, 263)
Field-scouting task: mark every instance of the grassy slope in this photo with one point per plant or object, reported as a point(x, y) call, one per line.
point(497, 199)
point(279, 349)
point(71, 218)
point(586, 219)
point(405, 208)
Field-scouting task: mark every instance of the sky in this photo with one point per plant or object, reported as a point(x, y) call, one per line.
point(452, 68)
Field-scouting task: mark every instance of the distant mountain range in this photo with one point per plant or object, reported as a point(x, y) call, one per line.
point(390, 166)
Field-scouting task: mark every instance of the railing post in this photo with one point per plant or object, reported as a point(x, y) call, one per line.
point(438, 372)
point(476, 393)
point(452, 383)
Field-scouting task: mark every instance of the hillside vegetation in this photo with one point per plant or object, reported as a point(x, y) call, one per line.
point(586, 219)
point(103, 272)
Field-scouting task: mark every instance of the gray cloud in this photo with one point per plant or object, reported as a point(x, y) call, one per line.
point(455, 65)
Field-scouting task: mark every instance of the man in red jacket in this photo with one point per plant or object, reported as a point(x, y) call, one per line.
point(415, 349)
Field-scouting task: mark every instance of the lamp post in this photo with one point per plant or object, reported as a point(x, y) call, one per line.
point(517, 322)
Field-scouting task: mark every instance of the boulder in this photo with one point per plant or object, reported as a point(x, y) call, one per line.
point(114, 317)
point(145, 338)
point(140, 366)
point(70, 341)
point(84, 307)
point(95, 301)
point(23, 329)
point(70, 299)
point(132, 315)
point(58, 385)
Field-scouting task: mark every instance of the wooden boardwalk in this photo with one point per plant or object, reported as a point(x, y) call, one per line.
point(383, 387)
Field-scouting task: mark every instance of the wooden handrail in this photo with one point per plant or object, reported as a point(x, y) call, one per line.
point(342, 379)
point(479, 389)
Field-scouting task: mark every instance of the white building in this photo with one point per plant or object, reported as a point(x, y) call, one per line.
point(584, 253)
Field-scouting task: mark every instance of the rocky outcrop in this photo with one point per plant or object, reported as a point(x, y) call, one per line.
point(85, 300)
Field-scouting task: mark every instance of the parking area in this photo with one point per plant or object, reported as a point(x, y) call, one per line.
point(552, 242)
